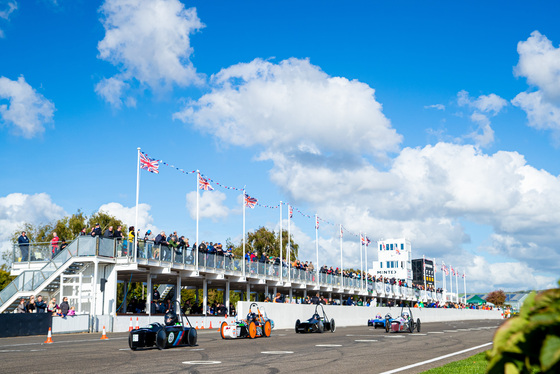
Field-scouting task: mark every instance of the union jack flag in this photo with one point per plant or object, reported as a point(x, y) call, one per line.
point(398, 252)
point(363, 239)
point(341, 231)
point(367, 241)
point(317, 222)
point(463, 274)
point(250, 201)
point(452, 270)
point(149, 164)
point(291, 211)
point(203, 184)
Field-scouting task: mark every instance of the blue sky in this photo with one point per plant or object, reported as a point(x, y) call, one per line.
point(434, 121)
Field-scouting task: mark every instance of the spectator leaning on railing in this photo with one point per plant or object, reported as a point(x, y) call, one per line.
point(54, 244)
point(23, 242)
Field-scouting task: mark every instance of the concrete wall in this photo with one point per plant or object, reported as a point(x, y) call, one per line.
point(285, 315)
point(122, 323)
point(70, 324)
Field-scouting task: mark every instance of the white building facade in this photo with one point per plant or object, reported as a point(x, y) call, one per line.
point(394, 259)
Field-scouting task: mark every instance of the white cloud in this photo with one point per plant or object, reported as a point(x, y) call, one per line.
point(435, 106)
point(128, 215)
point(210, 203)
point(149, 41)
point(27, 110)
point(482, 107)
point(539, 62)
point(5, 14)
point(292, 105)
point(16, 209)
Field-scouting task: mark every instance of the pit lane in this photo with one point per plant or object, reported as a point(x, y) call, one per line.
point(358, 348)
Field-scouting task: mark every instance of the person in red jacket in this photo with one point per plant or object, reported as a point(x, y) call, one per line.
point(54, 244)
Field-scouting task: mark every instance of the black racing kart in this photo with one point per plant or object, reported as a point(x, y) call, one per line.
point(316, 323)
point(173, 334)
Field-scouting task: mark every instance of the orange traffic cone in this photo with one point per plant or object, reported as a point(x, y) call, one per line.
point(49, 337)
point(130, 325)
point(196, 327)
point(202, 327)
point(104, 335)
point(137, 325)
point(210, 325)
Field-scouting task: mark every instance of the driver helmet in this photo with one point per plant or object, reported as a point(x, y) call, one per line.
point(170, 318)
point(406, 315)
point(316, 316)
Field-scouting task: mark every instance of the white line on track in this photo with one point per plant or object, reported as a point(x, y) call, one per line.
point(435, 359)
point(62, 341)
point(449, 330)
point(202, 362)
point(357, 335)
point(436, 332)
point(417, 334)
point(364, 340)
point(394, 336)
point(276, 352)
point(328, 345)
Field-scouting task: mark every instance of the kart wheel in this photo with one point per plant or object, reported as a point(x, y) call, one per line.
point(297, 325)
point(222, 328)
point(321, 327)
point(267, 329)
point(418, 325)
point(161, 338)
point(130, 342)
point(333, 326)
point(411, 326)
point(387, 326)
point(192, 337)
point(252, 330)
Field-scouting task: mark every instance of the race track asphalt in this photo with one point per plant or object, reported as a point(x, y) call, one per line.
point(349, 349)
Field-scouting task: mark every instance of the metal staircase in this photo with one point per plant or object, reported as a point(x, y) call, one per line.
point(47, 279)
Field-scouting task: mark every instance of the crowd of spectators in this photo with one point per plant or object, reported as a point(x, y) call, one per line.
point(40, 306)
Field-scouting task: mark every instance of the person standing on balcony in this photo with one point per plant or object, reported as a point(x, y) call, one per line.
point(54, 244)
point(23, 242)
point(109, 234)
point(40, 304)
point(96, 231)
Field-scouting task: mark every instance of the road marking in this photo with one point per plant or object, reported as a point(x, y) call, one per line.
point(276, 352)
point(463, 329)
point(60, 342)
point(357, 335)
point(11, 350)
point(195, 349)
point(202, 362)
point(124, 349)
point(328, 345)
point(395, 336)
point(417, 334)
point(436, 332)
point(364, 340)
point(435, 359)
point(280, 334)
point(449, 330)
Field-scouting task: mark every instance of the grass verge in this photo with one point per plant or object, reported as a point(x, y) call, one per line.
point(473, 365)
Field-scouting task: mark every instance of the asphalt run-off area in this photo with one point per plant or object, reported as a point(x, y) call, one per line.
point(348, 349)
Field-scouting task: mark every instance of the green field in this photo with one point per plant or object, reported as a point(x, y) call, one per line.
point(473, 365)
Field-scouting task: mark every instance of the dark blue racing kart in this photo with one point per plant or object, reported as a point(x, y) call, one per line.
point(379, 321)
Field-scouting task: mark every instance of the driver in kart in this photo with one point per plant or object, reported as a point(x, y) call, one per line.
point(171, 319)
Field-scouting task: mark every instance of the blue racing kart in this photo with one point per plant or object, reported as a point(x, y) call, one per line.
point(379, 321)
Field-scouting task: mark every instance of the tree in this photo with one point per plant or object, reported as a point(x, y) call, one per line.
point(496, 297)
point(5, 277)
point(265, 241)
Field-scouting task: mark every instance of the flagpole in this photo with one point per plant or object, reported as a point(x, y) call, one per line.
point(435, 272)
point(137, 195)
point(365, 262)
point(451, 282)
point(361, 262)
point(465, 286)
point(243, 260)
point(317, 246)
point(281, 264)
point(457, 284)
point(197, 209)
point(289, 247)
point(443, 280)
point(341, 276)
point(424, 270)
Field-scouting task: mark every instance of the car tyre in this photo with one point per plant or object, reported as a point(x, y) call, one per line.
point(161, 338)
point(418, 325)
point(267, 329)
point(297, 325)
point(252, 330)
point(411, 326)
point(333, 326)
point(222, 328)
point(192, 337)
point(130, 343)
point(387, 325)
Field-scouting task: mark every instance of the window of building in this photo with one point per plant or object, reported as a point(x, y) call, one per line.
point(402, 246)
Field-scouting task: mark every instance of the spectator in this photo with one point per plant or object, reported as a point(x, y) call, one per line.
point(54, 244)
point(21, 308)
point(64, 307)
point(53, 306)
point(316, 300)
point(109, 234)
point(161, 240)
point(63, 245)
point(40, 304)
point(96, 230)
point(149, 242)
point(23, 242)
point(83, 232)
point(278, 298)
point(30, 307)
point(155, 294)
point(118, 233)
point(72, 311)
